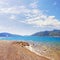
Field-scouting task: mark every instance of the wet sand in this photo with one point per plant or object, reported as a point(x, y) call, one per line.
point(51, 52)
point(13, 51)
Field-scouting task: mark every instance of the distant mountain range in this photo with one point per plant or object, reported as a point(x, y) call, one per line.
point(54, 33)
point(48, 33)
point(4, 34)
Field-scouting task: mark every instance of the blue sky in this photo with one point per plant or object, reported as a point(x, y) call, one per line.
point(25, 17)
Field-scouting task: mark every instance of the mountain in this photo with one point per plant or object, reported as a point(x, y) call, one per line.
point(4, 34)
point(48, 33)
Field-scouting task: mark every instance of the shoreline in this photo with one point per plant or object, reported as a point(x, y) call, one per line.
point(47, 51)
point(32, 50)
point(13, 50)
point(38, 50)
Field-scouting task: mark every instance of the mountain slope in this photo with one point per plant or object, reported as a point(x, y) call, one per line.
point(4, 34)
point(48, 33)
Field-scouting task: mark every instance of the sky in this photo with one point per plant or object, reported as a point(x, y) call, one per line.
point(25, 17)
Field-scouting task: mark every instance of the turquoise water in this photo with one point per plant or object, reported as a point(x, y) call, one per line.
point(47, 40)
point(33, 38)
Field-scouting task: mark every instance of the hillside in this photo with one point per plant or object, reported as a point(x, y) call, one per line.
point(4, 34)
point(48, 33)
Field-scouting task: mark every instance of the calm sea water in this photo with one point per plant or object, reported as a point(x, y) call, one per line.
point(46, 40)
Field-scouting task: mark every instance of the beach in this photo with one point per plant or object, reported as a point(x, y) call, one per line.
point(50, 52)
point(18, 50)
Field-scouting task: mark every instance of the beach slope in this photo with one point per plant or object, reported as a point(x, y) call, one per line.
point(14, 51)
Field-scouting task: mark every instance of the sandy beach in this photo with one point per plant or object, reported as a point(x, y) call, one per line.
point(13, 50)
point(52, 53)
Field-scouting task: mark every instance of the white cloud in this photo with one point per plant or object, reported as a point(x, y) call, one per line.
point(12, 17)
point(9, 10)
point(33, 16)
point(3, 3)
point(14, 10)
point(44, 21)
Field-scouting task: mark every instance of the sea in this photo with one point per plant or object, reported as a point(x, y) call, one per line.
point(52, 41)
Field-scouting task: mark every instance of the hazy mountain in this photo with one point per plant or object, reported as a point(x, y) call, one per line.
point(48, 33)
point(4, 34)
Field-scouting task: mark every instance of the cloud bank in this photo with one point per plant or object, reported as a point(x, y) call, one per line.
point(26, 13)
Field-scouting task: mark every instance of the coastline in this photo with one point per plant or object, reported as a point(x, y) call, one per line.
point(13, 50)
point(49, 52)
point(27, 49)
point(33, 50)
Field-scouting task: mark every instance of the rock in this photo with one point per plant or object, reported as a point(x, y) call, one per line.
point(21, 43)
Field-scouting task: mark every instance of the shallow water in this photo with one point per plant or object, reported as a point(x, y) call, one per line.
point(52, 41)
